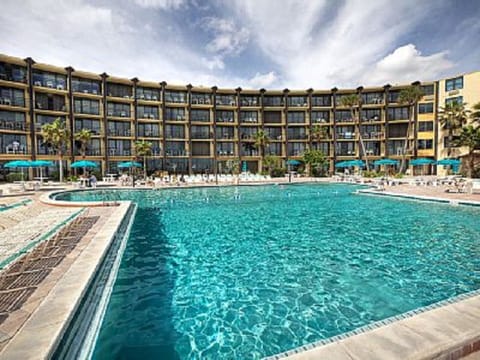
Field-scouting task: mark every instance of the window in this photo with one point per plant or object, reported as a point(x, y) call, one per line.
point(273, 100)
point(296, 133)
point(224, 116)
point(148, 94)
point(93, 148)
point(425, 126)
point(148, 130)
point(10, 120)
point(272, 149)
point(371, 115)
point(174, 131)
point(448, 144)
point(297, 101)
point(371, 131)
point(225, 100)
point(225, 132)
point(50, 102)
point(225, 149)
point(90, 124)
point(399, 113)
point(393, 96)
point(249, 100)
point(371, 148)
point(345, 132)
point(295, 149)
point(425, 144)
point(85, 86)
point(200, 132)
point(175, 97)
point(274, 133)
point(119, 128)
point(454, 84)
point(248, 132)
point(320, 116)
point(119, 147)
point(343, 116)
point(201, 149)
point(428, 90)
point(425, 108)
point(457, 99)
point(296, 117)
point(175, 148)
point(201, 98)
point(119, 90)
point(147, 112)
point(324, 147)
point(321, 100)
point(200, 115)
point(46, 119)
point(10, 72)
point(345, 148)
point(13, 144)
point(86, 106)
point(175, 114)
point(395, 147)
point(50, 80)
point(13, 97)
point(248, 116)
point(372, 98)
point(118, 109)
point(397, 130)
point(272, 117)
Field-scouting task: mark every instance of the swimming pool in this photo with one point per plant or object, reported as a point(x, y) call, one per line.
point(249, 272)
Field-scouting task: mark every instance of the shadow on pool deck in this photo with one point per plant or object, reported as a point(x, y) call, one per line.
point(139, 319)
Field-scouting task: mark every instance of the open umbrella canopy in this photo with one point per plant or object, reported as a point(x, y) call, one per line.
point(421, 162)
point(341, 164)
point(129, 164)
point(84, 164)
point(385, 162)
point(293, 162)
point(452, 162)
point(359, 163)
point(18, 164)
point(41, 163)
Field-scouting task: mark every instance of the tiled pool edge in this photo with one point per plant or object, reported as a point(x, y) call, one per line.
point(381, 324)
point(42, 332)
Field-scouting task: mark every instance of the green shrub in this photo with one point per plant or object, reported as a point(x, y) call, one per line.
point(370, 174)
point(277, 172)
point(398, 176)
point(14, 177)
point(72, 178)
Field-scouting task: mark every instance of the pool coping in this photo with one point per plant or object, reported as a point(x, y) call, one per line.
point(47, 325)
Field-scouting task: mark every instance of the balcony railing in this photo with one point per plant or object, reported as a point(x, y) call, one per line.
point(15, 148)
point(13, 125)
point(13, 101)
point(119, 152)
point(119, 132)
point(201, 135)
point(346, 135)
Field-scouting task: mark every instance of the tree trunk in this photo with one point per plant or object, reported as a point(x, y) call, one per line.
point(471, 164)
point(145, 168)
point(403, 166)
point(362, 144)
point(450, 139)
point(60, 166)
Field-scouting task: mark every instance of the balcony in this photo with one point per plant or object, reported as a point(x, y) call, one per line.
point(346, 135)
point(201, 135)
point(13, 101)
point(119, 152)
point(15, 148)
point(119, 132)
point(374, 135)
point(13, 125)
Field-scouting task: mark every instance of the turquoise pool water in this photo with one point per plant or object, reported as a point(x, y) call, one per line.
point(242, 273)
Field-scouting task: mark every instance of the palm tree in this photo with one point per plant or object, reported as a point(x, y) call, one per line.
point(475, 114)
point(469, 137)
point(83, 137)
point(143, 148)
point(261, 142)
point(452, 117)
point(315, 159)
point(409, 96)
point(56, 135)
point(353, 103)
point(318, 133)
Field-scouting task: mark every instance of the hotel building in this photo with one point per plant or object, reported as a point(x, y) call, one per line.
point(197, 129)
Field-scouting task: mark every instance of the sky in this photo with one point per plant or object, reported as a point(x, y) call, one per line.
point(271, 44)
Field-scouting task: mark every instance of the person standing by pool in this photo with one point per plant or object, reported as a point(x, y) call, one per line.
point(93, 181)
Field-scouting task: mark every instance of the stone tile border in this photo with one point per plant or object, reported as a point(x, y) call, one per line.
point(43, 330)
point(15, 204)
point(418, 197)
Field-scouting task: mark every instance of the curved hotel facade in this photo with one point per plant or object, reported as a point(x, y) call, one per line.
point(197, 129)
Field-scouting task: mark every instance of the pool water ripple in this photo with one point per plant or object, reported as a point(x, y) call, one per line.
point(252, 271)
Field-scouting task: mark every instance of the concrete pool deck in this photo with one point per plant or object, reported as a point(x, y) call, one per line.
point(449, 330)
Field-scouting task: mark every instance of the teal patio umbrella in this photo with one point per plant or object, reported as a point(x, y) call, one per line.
point(341, 164)
point(454, 163)
point(244, 167)
point(84, 164)
point(129, 164)
point(293, 162)
point(18, 164)
point(385, 162)
point(422, 162)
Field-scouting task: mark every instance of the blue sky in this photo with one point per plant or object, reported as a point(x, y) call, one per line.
point(250, 43)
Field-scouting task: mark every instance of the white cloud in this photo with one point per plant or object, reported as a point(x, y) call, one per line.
point(228, 39)
point(262, 80)
point(407, 64)
point(161, 4)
